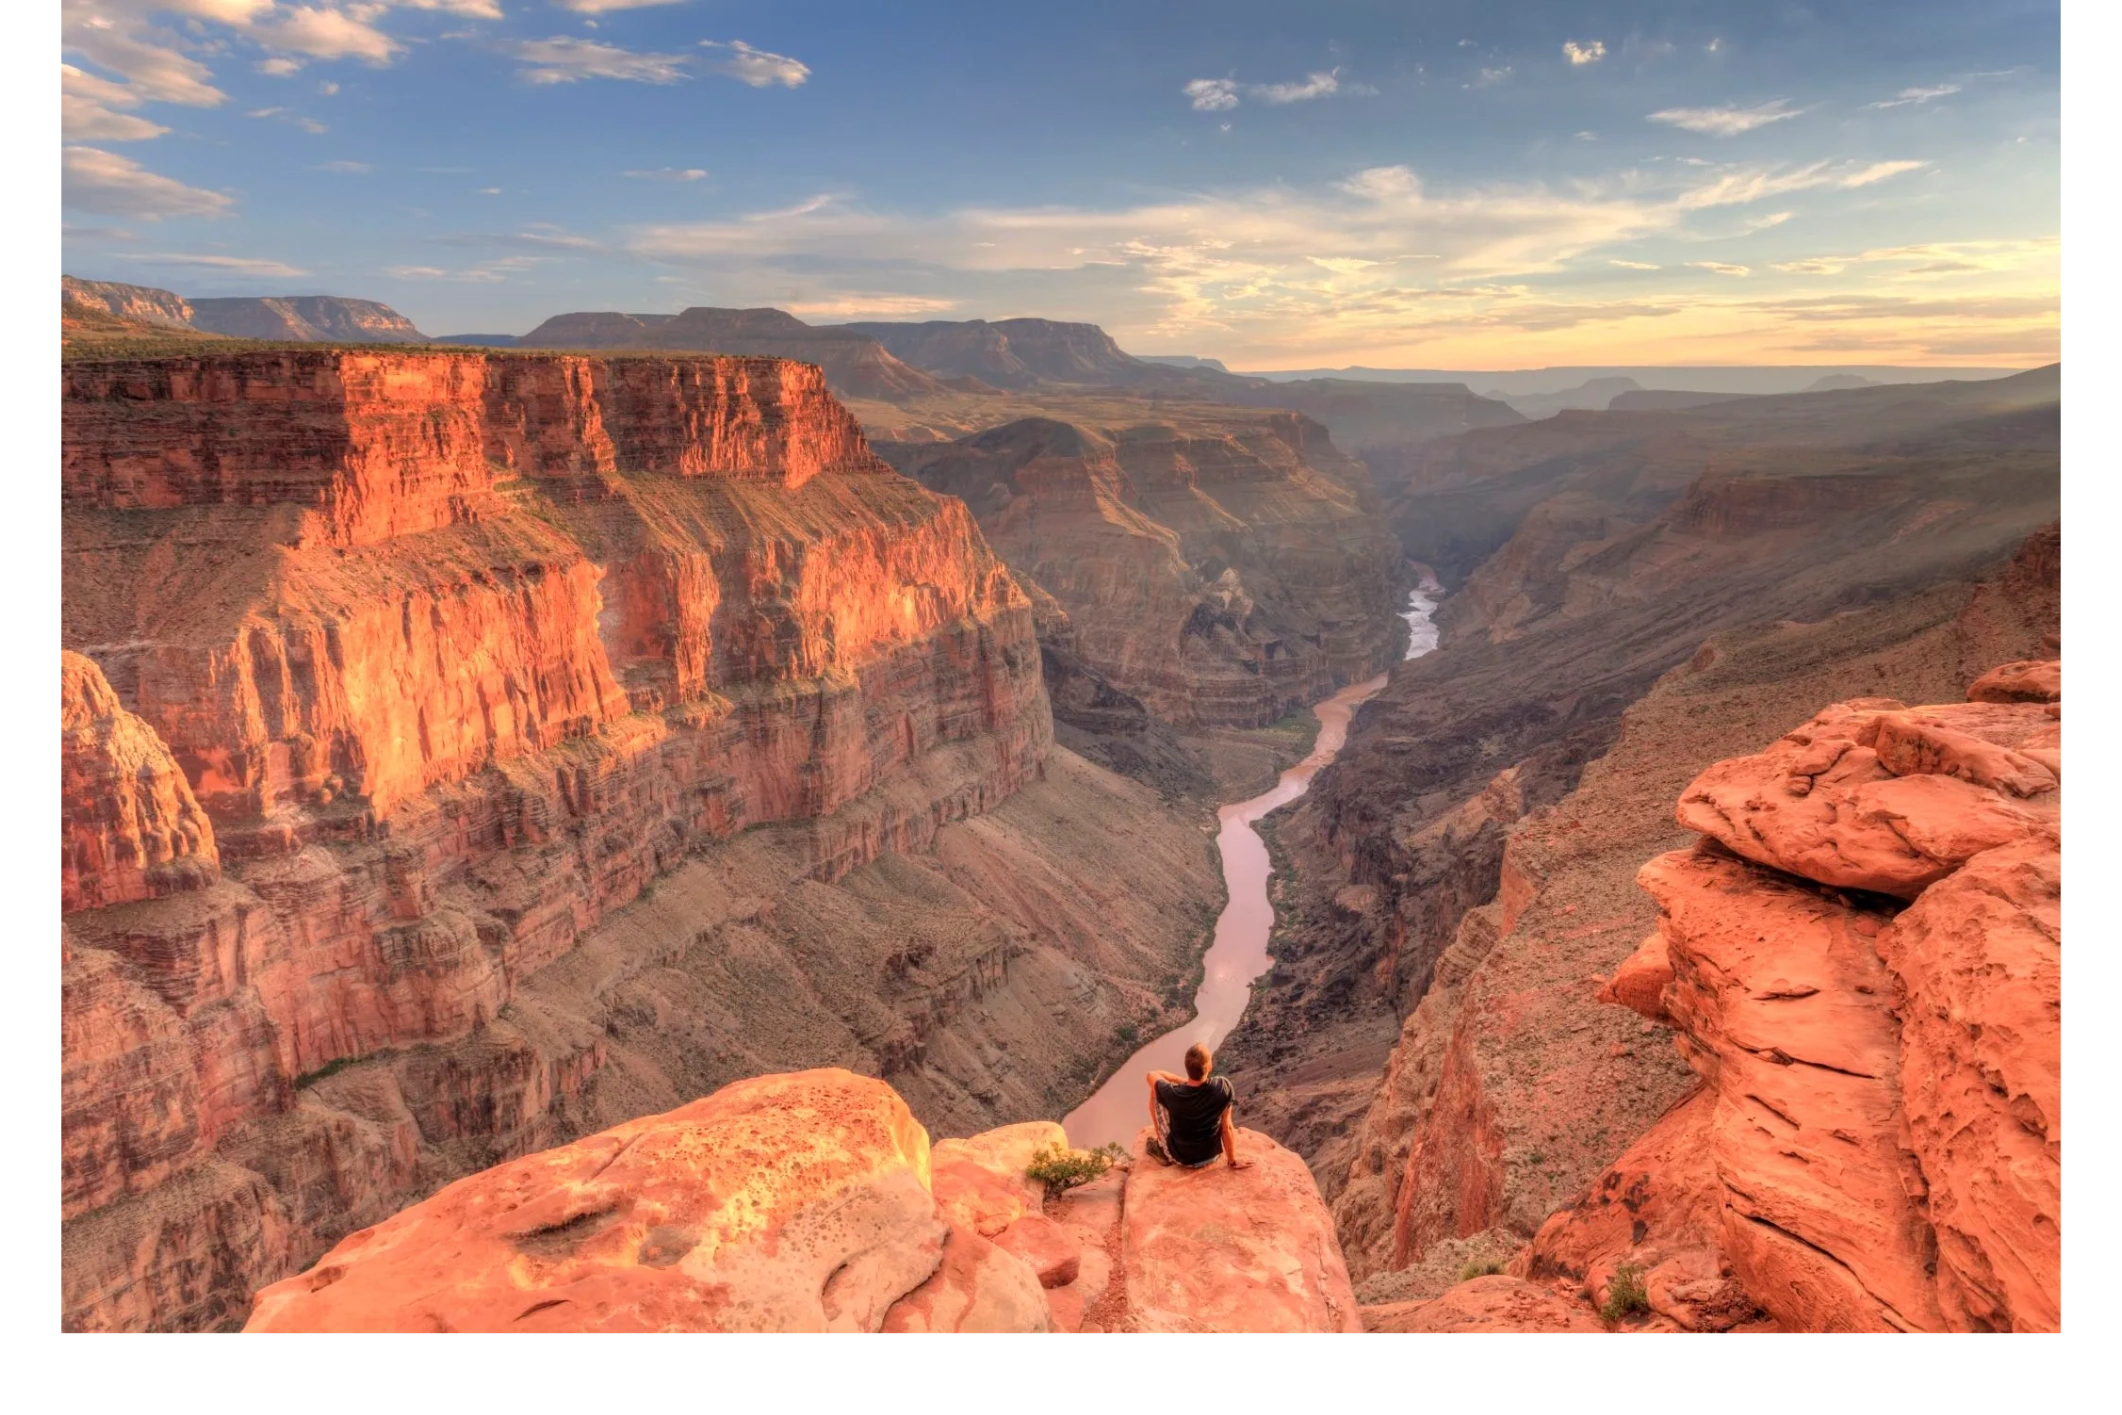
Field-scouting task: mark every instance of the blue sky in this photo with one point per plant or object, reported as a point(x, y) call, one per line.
point(1443, 185)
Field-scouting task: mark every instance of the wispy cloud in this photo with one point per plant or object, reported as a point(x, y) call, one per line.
point(1718, 267)
point(854, 304)
point(1218, 95)
point(564, 59)
point(89, 110)
point(1212, 95)
point(1908, 96)
point(1878, 172)
point(761, 68)
point(1634, 265)
point(1316, 85)
point(1935, 258)
point(668, 174)
point(104, 182)
point(1489, 78)
point(605, 7)
point(239, 265)
point(1726, 122)
point(1589, 52)
point(343, 165)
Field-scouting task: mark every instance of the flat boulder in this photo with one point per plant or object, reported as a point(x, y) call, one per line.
point(1223, 1250)
point(1876, 796)
point(2027, 681)
point(795, 1202)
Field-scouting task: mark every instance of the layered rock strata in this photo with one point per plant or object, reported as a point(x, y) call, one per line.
point(1215, 571)
point(1878, 1145)
point(1508, 1087)
point(1891, 535)
point(814, 1202)
point(396, 680)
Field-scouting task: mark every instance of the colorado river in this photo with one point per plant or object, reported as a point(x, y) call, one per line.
point(1238, 953)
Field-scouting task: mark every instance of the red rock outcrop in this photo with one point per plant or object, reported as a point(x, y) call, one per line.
point(1878, 1146)
point(1497, 1303)
point(787, 1203)
point(1217, 1249)
point(458, 653)
point(2029, 681)
point(130, 827)
point(808, 1202)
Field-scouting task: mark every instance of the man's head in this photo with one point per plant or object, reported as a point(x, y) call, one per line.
point(1198, 1062)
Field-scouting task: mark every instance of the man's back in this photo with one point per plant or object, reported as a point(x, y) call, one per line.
point(1196, 1112)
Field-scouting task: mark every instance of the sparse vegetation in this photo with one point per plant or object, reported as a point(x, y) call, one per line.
point(1127, 1032)
point(1624, 1295)
point(1061, 1170)
point(1477, 1268)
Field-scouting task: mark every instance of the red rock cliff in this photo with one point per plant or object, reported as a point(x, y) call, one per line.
point(1878, 1145)
point(448, 656)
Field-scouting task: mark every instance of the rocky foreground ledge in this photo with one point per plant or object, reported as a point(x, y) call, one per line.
point(1861, 958)
point(813, 1201)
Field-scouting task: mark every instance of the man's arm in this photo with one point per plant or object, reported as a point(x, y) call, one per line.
point(1154, 1078)
point(1230, 1141)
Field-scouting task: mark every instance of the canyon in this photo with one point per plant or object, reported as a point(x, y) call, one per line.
point(1216, 569)
point(513, 745)
point(480, 766)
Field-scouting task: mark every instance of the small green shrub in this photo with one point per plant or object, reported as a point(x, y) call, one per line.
point(1624, 1295)
point(1126, 1032)
point(1061, 1170)
point(1479, 1269)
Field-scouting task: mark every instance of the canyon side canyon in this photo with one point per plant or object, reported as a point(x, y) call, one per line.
point(648, 828)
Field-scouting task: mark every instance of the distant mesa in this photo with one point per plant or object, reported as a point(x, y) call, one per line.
point(1835, 381)
point(481, 341)
point(89, 307)
point(1592, 395)
point(306, 318)
point(1184, 361)
point(1668, 400)
point(855, 365)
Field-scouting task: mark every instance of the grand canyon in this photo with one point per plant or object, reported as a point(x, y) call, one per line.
point(1503, 580)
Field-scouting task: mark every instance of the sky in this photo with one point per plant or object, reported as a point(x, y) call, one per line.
point(1507, 184)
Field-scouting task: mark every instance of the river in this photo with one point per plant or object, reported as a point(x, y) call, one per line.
point(1238, 953)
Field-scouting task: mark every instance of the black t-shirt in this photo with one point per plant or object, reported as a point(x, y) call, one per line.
point(1196, 1117)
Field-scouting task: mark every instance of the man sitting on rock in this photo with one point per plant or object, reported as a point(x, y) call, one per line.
point(1192, 1115)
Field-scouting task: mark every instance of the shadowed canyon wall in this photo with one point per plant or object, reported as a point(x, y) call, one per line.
point(465, 750)
point(1218, 569)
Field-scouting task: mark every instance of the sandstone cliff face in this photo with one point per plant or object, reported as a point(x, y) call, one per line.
point(446, 658)
point(1885, 1141)
point(130, 826)
point(138, 304)
point(1618, 558)
point(814, 1202)
point(1218, 571)
point(1510, 1086)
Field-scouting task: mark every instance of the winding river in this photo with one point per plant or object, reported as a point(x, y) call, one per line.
point(1238, 953)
